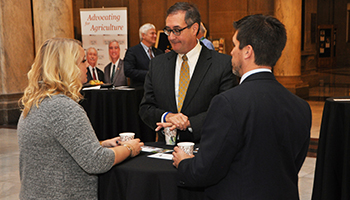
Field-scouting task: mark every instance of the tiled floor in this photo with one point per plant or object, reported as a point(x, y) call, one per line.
point(9, 156)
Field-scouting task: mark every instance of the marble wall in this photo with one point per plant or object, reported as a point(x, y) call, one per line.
point(52, 18)
point(16, 54)
point(21, 34)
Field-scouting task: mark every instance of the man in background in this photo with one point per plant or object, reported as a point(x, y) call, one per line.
point(201, 37)
point(114, 71)
point(137, 57)
point(256, 136)
point(180, 84)
point(93, 72)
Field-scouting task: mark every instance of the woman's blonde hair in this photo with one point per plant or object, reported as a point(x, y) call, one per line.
point(54, 71)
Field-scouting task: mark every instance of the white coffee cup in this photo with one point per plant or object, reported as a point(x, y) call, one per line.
point(187, 147)
point(170, 136)
point(126, 136)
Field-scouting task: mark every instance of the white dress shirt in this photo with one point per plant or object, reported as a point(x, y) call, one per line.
point(192, 57)
point(91, 72)
point(146, 50)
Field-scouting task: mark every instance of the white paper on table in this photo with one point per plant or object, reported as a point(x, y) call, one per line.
point(97, 87)
point(341, 99)
point(162, 156)
point(151, 149)
point(124, 88)
point(155, 149)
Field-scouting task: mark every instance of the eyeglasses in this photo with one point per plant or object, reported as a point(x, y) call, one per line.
point(176, 31)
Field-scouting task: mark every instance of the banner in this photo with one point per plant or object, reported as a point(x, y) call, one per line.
point(99, 27)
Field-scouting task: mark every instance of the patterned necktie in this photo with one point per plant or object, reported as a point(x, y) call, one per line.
point(113, 72)
point(93, 73)
point(150, 52)
point(183, 83)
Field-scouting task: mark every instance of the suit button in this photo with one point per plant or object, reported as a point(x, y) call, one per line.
point(182, 183)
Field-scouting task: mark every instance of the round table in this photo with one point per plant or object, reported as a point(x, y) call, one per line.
point(332, 172)
point(145, 178)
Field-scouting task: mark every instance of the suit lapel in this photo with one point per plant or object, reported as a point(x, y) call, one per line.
point(169, 81)
point(108, 73)
point(202, 66)
point(117, 71)
point(88, 74)
point(143, 52)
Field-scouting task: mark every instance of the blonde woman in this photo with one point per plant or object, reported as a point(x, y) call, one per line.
point(59, 152)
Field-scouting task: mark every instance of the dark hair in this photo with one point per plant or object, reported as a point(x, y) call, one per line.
point(192, 15)
point(266, 34)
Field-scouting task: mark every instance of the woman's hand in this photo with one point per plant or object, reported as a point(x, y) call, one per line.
point(135, 146)
point(110, 142)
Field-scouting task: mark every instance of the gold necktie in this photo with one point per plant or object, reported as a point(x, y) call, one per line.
point(183, 83)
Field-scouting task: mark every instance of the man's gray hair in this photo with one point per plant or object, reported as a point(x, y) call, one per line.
point(87, 51)
point(144, 28)
point(114, 40)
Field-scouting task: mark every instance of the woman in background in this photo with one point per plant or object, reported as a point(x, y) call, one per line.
point(60, 154)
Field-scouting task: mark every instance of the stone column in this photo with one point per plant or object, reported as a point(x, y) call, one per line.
point(16, 55)
point(52, 18)
point(288, 68)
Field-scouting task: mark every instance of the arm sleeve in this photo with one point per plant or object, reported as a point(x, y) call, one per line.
point(75, 133)
point(221, 140)
point(149, 110)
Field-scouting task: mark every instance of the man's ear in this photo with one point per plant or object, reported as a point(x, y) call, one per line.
point(195, 28)
point(247, 51)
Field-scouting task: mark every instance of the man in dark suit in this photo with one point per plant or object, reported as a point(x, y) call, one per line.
point(178, 90)
point(114, 71)
point(255, 137)
point(93, 72)
point(137, 58)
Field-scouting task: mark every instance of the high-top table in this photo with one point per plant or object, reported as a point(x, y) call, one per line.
point(112, 111)
point(144, 178)
point(332, 173)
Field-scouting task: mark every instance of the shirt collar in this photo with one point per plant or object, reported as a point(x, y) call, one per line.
point(116, 62)
point(145, 47)
point(193, 53)
point(254, 71)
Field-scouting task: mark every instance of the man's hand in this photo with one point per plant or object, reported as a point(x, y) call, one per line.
point(179, 155)
point(164, 125)
point(179, 120)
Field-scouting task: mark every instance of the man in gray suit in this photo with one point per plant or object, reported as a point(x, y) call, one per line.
point(180, 84)
point(114, 71)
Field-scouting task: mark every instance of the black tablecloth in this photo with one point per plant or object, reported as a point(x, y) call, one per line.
point(144, 178)
point(332, 173)
point(114, 111)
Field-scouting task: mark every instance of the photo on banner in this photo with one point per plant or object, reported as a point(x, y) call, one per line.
point(99, 26)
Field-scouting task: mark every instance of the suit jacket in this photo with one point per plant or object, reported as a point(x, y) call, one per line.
point(119, 78)
point(254, 141)
point(136, 63)
point(99, 73)
point(211, 76)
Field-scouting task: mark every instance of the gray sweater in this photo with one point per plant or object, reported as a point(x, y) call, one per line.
point(59, 152)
